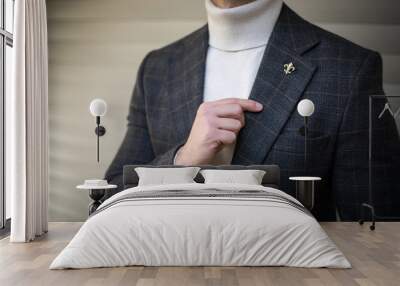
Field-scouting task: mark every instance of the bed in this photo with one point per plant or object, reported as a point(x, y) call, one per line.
point(199, 224)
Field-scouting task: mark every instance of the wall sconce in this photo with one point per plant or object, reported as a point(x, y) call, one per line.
point(98, 108)
point(305, 108)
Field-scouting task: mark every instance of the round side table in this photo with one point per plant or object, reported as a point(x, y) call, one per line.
point(305, 189)
point(96, 193)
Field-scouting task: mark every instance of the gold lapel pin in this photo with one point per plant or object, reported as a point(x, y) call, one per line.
point(288, 68)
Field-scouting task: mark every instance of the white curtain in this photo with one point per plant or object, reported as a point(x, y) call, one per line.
point(28, 118)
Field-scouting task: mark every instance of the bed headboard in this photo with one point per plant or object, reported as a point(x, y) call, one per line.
point(271, 178)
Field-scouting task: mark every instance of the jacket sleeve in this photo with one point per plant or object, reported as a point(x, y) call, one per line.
point(350, 169)
point(136, 147)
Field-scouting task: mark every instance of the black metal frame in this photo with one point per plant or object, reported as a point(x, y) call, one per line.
point(370, 205)
point(96, 195)
point(305, 193)
point(6, 38)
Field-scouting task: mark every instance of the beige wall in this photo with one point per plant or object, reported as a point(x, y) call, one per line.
point(96, 46)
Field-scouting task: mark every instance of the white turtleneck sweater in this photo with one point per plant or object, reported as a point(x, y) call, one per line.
point(238, 37)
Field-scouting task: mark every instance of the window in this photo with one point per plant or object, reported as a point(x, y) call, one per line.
point(6, 56)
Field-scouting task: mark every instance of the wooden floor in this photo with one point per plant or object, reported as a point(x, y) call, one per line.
point(375, 257)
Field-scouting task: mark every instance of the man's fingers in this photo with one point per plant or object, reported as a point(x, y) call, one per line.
point(228, 110)
point(229, 124)
point(233, 111)
point(210, 110)
point(226, 137)
point(245, 104)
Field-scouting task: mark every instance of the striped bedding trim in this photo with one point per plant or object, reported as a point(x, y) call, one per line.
point(206, 194)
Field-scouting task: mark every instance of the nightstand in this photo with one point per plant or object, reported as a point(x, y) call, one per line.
point(97, 190)
point(305, 189)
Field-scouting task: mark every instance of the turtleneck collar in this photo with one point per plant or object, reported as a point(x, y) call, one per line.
point(243, 27)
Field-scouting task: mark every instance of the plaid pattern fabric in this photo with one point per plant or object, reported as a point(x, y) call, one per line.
point(337, 75)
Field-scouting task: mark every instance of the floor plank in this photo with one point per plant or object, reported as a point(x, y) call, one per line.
point(375, 257)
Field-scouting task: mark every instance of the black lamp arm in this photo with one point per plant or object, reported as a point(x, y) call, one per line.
point(305, 142)
point(100, 131)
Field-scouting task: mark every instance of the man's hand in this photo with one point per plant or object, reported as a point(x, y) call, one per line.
point(217, 123)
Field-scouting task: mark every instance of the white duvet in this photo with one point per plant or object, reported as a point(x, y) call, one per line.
point(201, 231)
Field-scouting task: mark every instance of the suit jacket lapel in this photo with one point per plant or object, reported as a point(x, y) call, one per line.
point(193, 66)
point(277, 91)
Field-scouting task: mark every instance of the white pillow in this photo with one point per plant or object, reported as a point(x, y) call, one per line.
point(163, 176)
point(248, 177)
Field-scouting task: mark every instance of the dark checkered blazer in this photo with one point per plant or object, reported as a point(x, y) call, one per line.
point(337, 75)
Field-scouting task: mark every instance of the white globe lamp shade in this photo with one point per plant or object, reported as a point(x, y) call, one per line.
point(305, 108)
point(98, 107)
